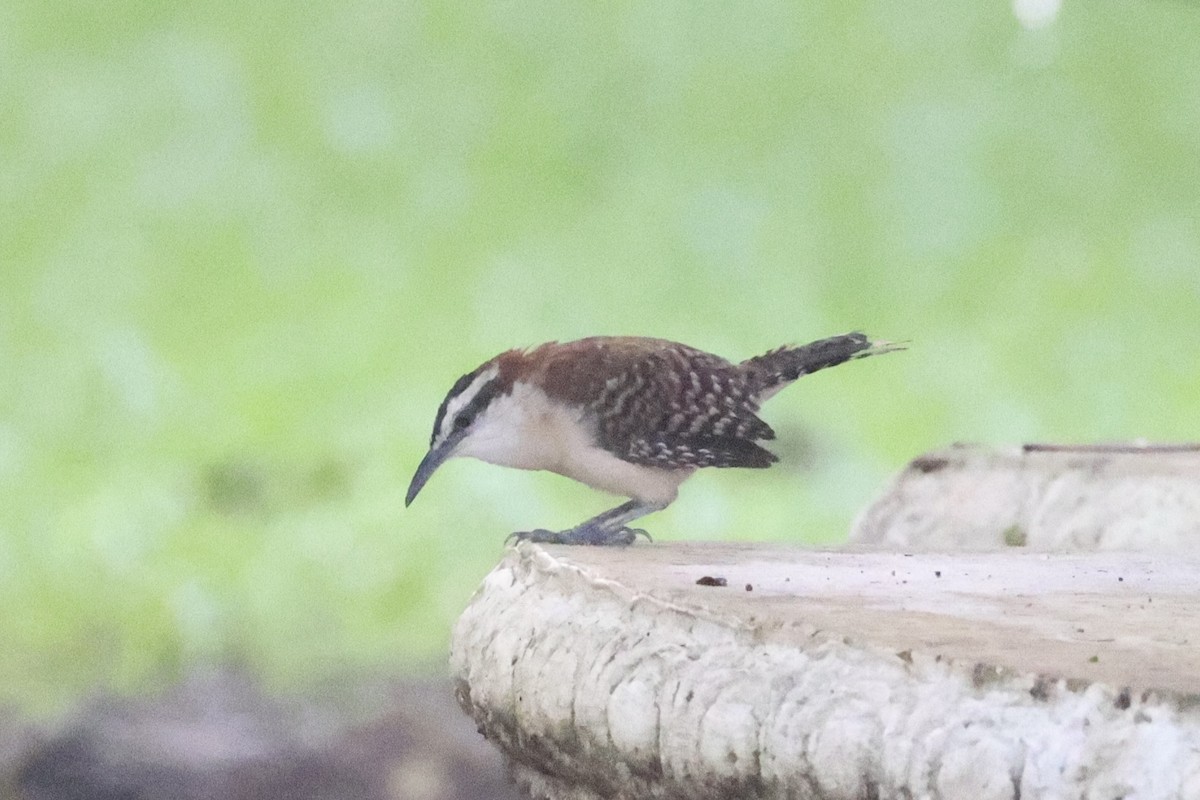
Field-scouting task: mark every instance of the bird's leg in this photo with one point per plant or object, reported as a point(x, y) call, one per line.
point(603, 529)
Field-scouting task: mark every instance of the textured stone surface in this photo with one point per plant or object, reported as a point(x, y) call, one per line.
point(1042, 498)
point(612, 673)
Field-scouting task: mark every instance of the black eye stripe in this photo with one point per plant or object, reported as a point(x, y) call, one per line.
point(458, 388)
point(478, 403)
point(471, 409)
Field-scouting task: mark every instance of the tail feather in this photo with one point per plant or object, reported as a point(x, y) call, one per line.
point(784, 365)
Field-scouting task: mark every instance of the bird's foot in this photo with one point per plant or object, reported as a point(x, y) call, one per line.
point(583, 534)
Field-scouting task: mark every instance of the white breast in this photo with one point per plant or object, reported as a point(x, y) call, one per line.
point(528, 430)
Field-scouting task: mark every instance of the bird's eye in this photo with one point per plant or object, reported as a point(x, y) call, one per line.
point(461, 421)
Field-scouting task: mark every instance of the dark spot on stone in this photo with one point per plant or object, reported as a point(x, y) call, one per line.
point(905, 656)
point(689, 697)
point(1186, 702)
point(1122, 701)
point(927, 464)
point(710, 580)
point(1120, 580)
point(1014, 536)
point(749, 587)
point(983, 674)
point(937, 573)
point(1040, 690)
point(1094, 660)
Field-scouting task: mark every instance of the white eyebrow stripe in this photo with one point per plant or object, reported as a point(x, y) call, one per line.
point(458, 403)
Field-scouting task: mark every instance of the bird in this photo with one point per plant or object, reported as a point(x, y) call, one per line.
point(631, 416)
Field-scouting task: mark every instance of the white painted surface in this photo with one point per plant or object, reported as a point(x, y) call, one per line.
point(1124, 498)
point(611, 673)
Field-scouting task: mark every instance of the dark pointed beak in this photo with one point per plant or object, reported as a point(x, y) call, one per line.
point(429, 464)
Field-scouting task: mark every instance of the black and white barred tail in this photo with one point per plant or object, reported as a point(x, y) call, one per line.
point(779, 367)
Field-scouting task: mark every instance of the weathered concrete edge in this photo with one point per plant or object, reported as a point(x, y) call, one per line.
point(1040, 497)
point(592, 690)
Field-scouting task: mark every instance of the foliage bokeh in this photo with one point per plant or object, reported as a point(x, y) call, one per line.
point(245, 249)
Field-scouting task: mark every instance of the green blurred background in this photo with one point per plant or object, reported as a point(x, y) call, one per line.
point(245, 248)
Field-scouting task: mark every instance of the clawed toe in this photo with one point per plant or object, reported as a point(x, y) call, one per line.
point(615, 537)
point(537, 536)
point(586, 535)
point(629, 535)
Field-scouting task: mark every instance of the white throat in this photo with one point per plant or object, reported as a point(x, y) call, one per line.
point(527, 429)
point(524, 429)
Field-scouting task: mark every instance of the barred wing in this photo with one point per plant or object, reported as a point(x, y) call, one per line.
point(680, 407)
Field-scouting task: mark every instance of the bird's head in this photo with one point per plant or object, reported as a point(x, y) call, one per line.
point(461, 416)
